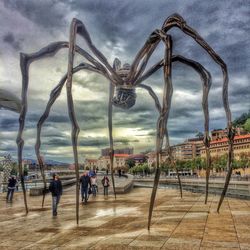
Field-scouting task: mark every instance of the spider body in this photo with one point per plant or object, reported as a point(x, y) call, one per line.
point(124, 96)
point(123, 81)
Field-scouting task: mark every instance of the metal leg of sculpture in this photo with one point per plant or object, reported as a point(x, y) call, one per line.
point(25, 61)
point(75, 128)
point(206, 79)
point(177, 21)
point(158, 107)
point(116, 65)
point(166, 103)
point(55, 93)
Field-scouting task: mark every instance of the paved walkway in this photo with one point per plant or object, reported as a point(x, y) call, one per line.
point(121, 224)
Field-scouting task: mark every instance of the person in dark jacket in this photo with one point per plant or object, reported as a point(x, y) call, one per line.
point(55, 188)
point(11, 188)
point(85, 185)
point(105, 183)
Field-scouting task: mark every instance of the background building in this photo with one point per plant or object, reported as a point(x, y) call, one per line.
point(129, 151)
point(188, 150)
point(220, 147)
point(103, 162)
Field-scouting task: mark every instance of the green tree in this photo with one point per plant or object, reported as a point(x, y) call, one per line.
point(244, 161)
point(25, 171)
point(130, 163)
point(246, 125)
point(239, 122)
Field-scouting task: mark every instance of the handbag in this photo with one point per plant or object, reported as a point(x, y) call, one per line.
point(90, 191)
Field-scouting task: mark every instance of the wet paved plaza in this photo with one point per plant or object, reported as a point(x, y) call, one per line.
point(122, 223)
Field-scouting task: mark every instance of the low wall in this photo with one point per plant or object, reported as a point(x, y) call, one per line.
point(126, 185)
point(237, 189)
point(39, 190)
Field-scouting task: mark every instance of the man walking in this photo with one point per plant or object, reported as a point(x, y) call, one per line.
point(85, 184)
point(55, 188)
point(105, 183)
point(11, 188)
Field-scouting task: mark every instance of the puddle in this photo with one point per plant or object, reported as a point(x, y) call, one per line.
point(116, 211)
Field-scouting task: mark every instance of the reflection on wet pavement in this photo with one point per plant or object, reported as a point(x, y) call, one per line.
point(122, 223)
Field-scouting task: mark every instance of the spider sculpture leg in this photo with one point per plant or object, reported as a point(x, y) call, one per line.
point(162, 120)
point(168, 148)
point(26, 59)
point(78, 27)
point(177, 21)
point(75, 128)
point(55, 93)
point(116, 66)
point(206, 79)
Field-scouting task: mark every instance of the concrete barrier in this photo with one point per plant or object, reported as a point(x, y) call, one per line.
point(237, 189)
point(126, 185)
point(35, 191)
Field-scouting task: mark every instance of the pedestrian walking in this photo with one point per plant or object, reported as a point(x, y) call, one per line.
point(11, 188)
point(93, 181)
point(120, 173)
point(85, 184)
point(55, 187)
point(105, 183)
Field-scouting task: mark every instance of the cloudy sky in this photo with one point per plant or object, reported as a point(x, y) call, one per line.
point(119, 29)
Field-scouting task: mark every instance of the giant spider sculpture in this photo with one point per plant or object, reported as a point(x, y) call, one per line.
point(123, 81)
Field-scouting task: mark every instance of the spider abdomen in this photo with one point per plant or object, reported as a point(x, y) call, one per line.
point(124, 98)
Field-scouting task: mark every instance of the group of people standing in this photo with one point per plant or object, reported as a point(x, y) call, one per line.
point(88, 185)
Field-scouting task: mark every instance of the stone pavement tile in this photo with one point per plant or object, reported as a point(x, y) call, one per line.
point(192, 233)
point(94, 223)
point(244, 246)
point(33, 237)
point(82, 242)
point(149, 237)
point(182, 243)
point(199, 208)
point(220, 244)
point(244, 237)
point(14, 244)
point(36, 246)
point(9, 248)
point(129, 234)
point(147, 244)
point(113, 243)
point(215, 235)
point(58, 238)
point(158, 231)
point(195, 216)
point(219, 248)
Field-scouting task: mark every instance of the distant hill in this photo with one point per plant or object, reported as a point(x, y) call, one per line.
point(48, 162)
point(243, 121)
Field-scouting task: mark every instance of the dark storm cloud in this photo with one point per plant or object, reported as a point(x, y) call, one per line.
point(46, 13)
point(87, 141)
point(120, 28)
point(11, 40)
point(8, 124)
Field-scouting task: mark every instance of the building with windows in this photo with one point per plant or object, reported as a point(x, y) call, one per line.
point(119, 161)
point(138, 158)
point(187, 150)
point(218, 134)
point(106, 151)
point(91, 163)
point(220, 147)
